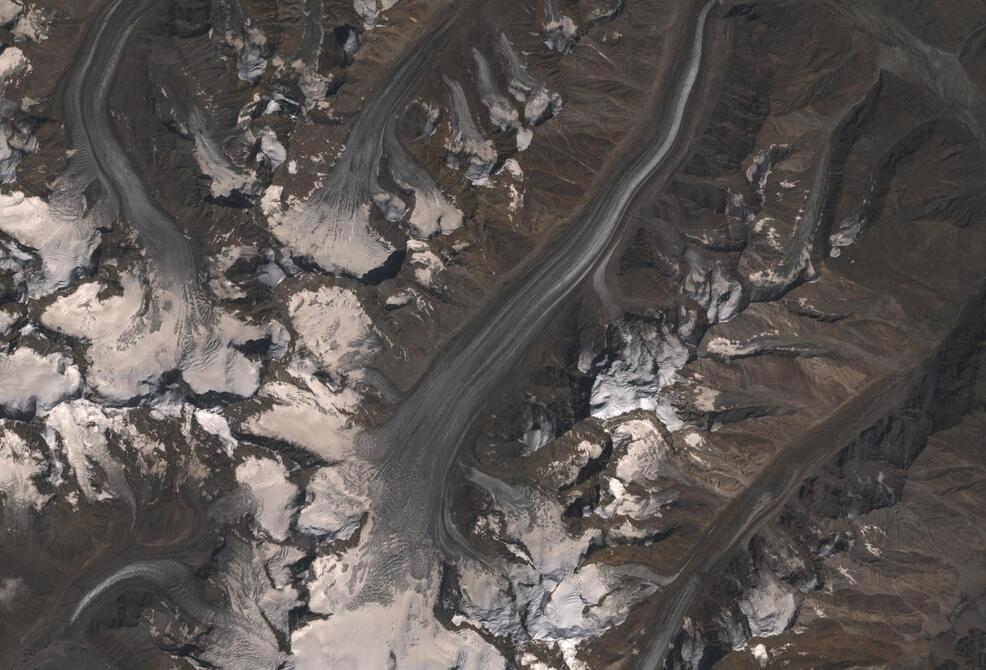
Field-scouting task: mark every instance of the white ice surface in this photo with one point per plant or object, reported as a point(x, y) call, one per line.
point(333, 234)
point(63, 243)
point(12, 62)
point(215, 423)
point(333, 509)
point(34, 381)
point(555, 596)
point(82, 429)
point(135, 338)
point(272, 148)
point(648, 360)
point(402, 633)
point(19, 467)
point(333, 328)
point(645, 451)
point(433, 214)
point(769, 607)
point(225, 177)
point(7, 319)
point(9, 10)
point(308, 414)
point(85, 441)
point(502, 113)
point(467, 148)
point(15, 143)
point(273, 494)
point(560, 34)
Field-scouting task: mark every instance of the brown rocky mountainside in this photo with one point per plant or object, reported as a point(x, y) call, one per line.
point(487, 334)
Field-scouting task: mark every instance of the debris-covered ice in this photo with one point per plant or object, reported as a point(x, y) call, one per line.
point(370, 10)
point(467, 149)
point(216, 164)
point(560, 32)
point(540, 104)
point(503, 114)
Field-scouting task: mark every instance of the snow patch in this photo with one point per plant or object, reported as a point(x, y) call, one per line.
point(425, 262)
